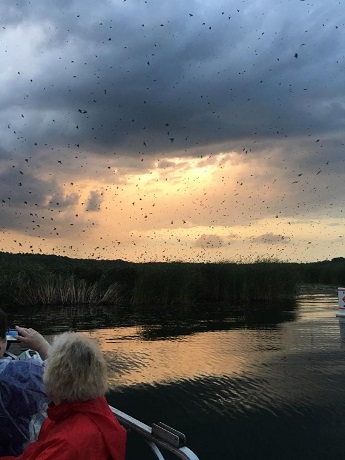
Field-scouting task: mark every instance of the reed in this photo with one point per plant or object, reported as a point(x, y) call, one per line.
point(183, 283)
point(269, 280)
point(259, 281)
point(51, 289)
point(166, 284)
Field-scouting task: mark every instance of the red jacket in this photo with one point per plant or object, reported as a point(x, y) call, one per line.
point(78, 431)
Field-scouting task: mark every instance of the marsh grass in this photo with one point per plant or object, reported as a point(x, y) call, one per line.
point(52, 289)
point(41, 280)
point(165, 284)
point(182, 283)
point(259, 281)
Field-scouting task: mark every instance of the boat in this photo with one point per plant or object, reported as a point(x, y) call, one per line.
point(161, 438)
point(341, 303)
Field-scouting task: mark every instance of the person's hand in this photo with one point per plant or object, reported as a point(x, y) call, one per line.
point(30, 338)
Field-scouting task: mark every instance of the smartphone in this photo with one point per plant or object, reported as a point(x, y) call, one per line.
point(11, 334)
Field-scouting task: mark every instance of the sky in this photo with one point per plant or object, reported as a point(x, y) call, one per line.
point(173, 130)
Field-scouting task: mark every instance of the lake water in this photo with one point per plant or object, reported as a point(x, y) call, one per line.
point(242, 382)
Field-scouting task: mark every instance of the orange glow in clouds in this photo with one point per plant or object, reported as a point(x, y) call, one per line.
point(215, 208)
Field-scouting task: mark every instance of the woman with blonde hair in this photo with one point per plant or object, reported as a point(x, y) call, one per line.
point(80, 424)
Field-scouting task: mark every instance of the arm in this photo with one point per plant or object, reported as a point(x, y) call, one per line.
point(34, 340)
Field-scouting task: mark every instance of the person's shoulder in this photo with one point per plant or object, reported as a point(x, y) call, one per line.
point(24, 366)
point(78, 420)
point(24, 375)
point(78, 423)
point(76, 437)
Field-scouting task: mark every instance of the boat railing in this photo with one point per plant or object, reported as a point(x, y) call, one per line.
point(159, 437)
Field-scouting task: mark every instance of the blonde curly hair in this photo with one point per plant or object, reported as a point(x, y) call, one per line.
point(75, 370)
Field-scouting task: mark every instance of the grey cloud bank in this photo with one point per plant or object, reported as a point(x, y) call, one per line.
point(158, 76)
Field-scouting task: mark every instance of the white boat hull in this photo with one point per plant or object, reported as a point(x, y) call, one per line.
point(341, 303)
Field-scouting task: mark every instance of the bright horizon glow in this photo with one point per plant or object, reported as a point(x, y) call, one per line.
point(161, 224)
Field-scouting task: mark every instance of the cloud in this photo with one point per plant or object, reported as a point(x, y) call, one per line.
point(209, 242)
point(94, 201)
point(116, 78)
point(270, 238)
point(216, 115)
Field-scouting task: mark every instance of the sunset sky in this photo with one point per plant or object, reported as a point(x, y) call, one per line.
point(161, 130)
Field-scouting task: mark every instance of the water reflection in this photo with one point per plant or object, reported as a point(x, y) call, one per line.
point(217, 353)
point(158, 323)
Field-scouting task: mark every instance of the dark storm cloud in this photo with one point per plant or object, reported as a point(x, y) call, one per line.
point(33, 204)
point(159, 76)
point(16, 183)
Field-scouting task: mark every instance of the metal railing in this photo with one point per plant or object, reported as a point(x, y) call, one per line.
point(159, 436)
